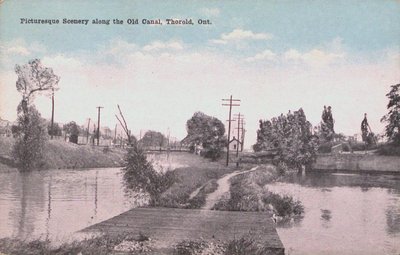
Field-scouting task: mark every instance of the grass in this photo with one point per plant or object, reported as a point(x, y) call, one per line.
point(247, 193)
point(106, 244)
point(200, 172)
point(60, 155)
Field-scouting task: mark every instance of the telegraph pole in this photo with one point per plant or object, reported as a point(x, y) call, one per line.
point(232, 102)
point(239, 120)
point(52, 114)
point(243, 134)
point(87, 133)
point(98, 124)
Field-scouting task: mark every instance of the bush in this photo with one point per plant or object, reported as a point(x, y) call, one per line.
point(389, 150)
point(140, 176)
point(284, 205)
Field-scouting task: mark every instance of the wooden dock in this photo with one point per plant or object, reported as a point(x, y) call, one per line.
point(170, 226)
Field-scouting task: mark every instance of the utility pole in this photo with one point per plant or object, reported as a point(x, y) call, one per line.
point(243, 134)
point(52, 114)
point(87, 133)
point(239, 120)
point(98, 124)
point(232, 102)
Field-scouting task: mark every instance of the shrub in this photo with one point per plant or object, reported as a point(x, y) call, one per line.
point(140, 176)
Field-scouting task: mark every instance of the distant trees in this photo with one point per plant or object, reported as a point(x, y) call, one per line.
point(327, 132)
point(291, 137)
point(208, 132)
point(153, 139)
point(72, 130)
point(392, 118)
point(33, 78)
point(55, 131)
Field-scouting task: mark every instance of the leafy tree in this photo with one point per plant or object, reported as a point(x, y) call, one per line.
point(33, 78)
point(291, 137)
point(206, 131)
point(153, 138)
point(140, 176)
point(31, 137)
point(392, 119)
point(56, 129)
point(73, 130)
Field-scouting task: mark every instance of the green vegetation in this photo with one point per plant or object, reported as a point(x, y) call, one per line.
point(31, 137)
point(106, 244)
point(290, 136)
point(247, 193)
point(31, 130)
point(208, 132)
point(392, 119)
point(140, 176)
point(58, 154)
point(200, 173)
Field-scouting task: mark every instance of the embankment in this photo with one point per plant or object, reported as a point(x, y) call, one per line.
point(356, 162)
point(61, 155)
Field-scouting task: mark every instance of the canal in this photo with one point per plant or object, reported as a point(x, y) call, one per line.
point(344, 214)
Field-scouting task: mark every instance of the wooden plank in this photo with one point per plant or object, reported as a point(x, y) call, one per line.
point(173, 225)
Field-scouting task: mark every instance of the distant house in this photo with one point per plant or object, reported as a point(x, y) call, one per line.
point(235, 144)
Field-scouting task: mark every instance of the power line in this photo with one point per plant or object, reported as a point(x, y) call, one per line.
point(232, 102)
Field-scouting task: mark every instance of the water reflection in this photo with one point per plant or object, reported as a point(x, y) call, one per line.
point(344, 214)
point(56, 203)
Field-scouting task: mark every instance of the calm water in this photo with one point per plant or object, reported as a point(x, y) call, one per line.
point(56, 203)
point(344, 214)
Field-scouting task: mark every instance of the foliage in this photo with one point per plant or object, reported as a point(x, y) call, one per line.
point(153, 138)
point(73, 130)
point(290, 135)
point(35, 78)
point(388, 150)
point(31, 136)
point(326, 129)
point(140, 176)
point(208, 132)
point(392, 119)
point(101, 245)
point(56, 129)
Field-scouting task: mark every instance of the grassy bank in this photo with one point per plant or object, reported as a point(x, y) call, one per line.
point(128, 244)
point(59, 155)
point(200, 174)
point(248, 193)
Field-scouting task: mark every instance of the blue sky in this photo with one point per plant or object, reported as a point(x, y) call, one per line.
point(274, 55)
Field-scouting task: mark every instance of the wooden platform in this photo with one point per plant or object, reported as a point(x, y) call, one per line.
point(171, 225)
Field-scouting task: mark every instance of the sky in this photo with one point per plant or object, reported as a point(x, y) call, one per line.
point(274, 56)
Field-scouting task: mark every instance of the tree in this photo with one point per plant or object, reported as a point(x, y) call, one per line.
point(140, 176)
point(326, 128)
point(208, 132)
point(33, 78)
point(392, 119)
point(73, 130)
point(153, 138)
point(291, 137)
point(55, 131)
point(31, 137)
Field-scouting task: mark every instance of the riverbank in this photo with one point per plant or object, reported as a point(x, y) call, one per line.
point(357, 162)
point(64, 155)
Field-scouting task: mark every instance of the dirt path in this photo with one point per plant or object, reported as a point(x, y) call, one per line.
point(223, 188)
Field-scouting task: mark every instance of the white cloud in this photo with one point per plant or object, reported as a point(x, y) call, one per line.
point(239, 35)
point(315, 57)
point(158, 45)
point(210, 12)
point(265, 55)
